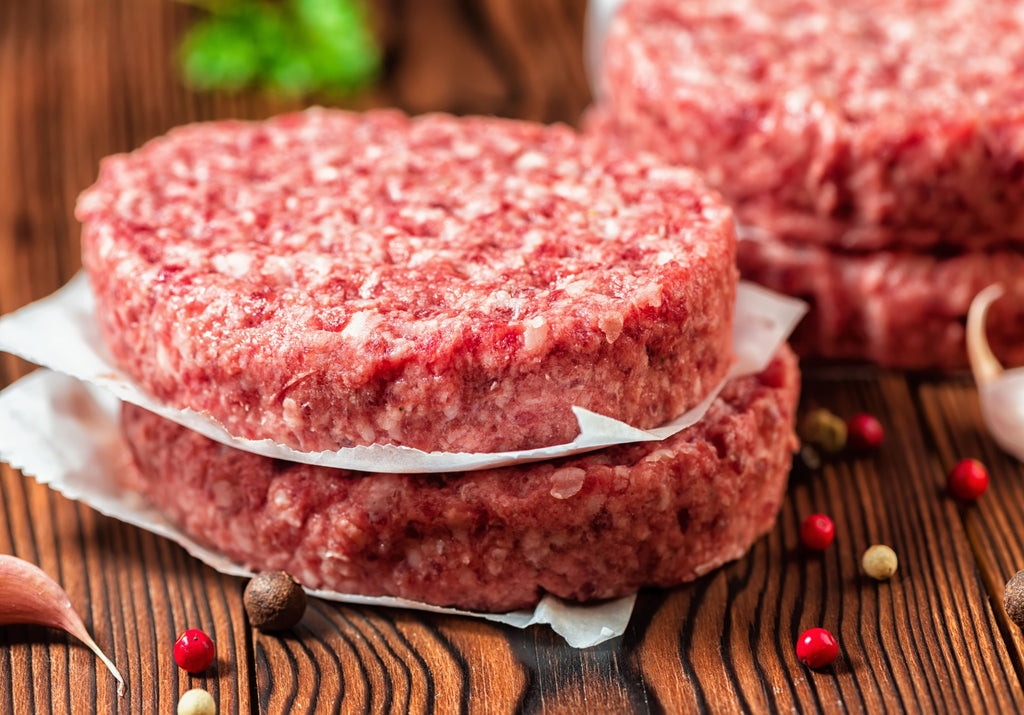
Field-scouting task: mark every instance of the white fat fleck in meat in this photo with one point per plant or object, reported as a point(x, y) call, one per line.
point(535, 334)
point(480, 207)
point(571, 190)
point(414, 558)
point(609, 229)
point(325, 173)
point(502, 300)
point(370, 284)
point(223, 494)
point(309, 267)
point(496, 561)
point(292, 414)
point(567, 482)
point(393, 186)
point(403, 346)
point(533, 239)
point(182, 339)
point(668, 175)
point(531, 160)
point(450, 407)
point(163, 357)
point(284, 507)
point(649, 295)
point(423, 214)
point(611, 326)
point(351, 532)
point(577, 288)
point(465, 150)
point(361, 325)
point(659, 455)
point(235, 264)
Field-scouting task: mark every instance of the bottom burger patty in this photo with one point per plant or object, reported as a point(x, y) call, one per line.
point(592, 526)
point(898, 309)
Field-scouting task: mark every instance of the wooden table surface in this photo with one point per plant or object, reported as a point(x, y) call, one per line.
point(80, 79)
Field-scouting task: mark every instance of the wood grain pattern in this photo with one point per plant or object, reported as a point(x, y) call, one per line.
point(928, 638)
point(993, 525)
point(80, 79)
point(135, 593)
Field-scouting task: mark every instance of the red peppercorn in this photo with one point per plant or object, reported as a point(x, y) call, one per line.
point(194, 651)
point(864, 432)
point(817, 532)
point(968, 480)
point(817, 648)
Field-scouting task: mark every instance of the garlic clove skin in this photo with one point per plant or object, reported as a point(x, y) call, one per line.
point(1002, 407)
point(29, 596)
point(1000, 391)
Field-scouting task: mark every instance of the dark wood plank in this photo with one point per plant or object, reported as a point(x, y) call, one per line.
point(514, 59)
point(80, 79)
point(927, 639)
point(993, 524)
point(135, 593)
point(567, 680)
point(365, 659)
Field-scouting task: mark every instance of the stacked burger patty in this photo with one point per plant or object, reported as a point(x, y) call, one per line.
point(873, 151)
point(328, 279)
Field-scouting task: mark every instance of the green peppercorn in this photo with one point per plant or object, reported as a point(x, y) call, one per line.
point(197, 702)
point(879, 562)
point(824, 430)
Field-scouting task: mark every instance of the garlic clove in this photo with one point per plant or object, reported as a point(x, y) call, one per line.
point(984, 363)
point(29, 596)
point(1000, 391)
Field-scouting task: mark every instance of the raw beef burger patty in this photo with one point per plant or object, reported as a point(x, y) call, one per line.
point(329, 279)
point(899, 309)
point(587, 527)
point(854, 123)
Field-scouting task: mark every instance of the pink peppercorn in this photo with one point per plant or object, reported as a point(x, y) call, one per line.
point(817, 648)
point(864, 432)
point(968, 480)
point(817, 532)
point(194, 651)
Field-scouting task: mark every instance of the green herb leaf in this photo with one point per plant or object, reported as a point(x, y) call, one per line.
point(296, 46)
point(218, 52)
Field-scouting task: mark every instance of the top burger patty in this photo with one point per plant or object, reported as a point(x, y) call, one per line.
point(327, 279)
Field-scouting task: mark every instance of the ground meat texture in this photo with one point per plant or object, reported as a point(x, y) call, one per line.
point(898, 309)
point(859, 124)
point(329, 279)
point(587, 527)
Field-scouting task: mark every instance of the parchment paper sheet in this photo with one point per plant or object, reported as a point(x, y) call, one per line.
point(60, 332)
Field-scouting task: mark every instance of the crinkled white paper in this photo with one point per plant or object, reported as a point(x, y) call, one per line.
point(60, 332)
point(65, 434)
